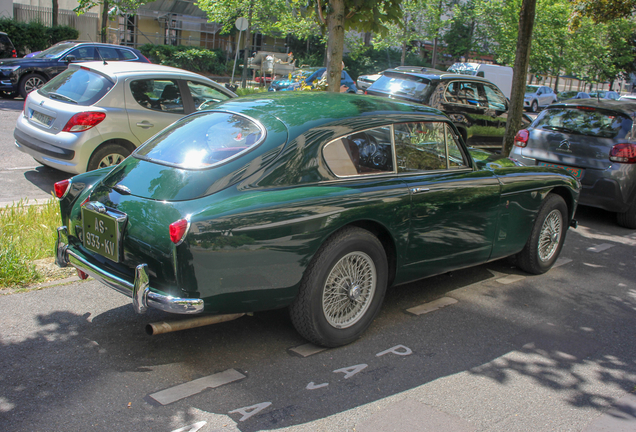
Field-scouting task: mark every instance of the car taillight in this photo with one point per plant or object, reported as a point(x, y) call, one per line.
point(61, 188)
point(178, 230)
point(14, 54)
point(623, 153)
point(84, 121)
point(521, 139)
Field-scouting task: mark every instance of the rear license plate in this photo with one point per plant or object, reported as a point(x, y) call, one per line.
point(101, 234)
point(42, 119)
point(575, 172)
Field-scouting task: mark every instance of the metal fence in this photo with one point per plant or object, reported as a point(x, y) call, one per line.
point(87, 24)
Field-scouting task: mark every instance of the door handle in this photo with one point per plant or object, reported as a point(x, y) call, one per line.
point(416, 190)
point(145, 124)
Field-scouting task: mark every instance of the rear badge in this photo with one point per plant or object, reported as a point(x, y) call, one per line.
point(564, 146)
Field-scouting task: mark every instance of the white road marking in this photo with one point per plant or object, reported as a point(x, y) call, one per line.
point(510, 279)
point(307, 350)
point(593, 265)
point(351, 370)
point(173, 394)
point(432, 306)
point(600, 247)
point(400, 350)
point(249, 411)
point(312, 386)
point(588, 233)
point(191, 428)
point(561, 261)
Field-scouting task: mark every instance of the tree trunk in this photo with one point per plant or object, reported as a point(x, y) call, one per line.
point(54, 12)
point(522, 58)
point(403, 58)
point(335, 44)
point(105, 21)
point(434, 60)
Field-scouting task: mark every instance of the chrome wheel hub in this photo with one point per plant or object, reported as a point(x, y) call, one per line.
point(349, 290)
point(550, 235)
point(111, 160)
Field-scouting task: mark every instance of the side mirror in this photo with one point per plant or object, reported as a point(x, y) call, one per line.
point(70, 58)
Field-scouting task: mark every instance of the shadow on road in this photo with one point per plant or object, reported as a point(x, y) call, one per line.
point(44, 177)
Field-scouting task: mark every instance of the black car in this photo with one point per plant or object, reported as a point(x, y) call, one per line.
point(23, 75)
point(476, 106)
point(7, 50)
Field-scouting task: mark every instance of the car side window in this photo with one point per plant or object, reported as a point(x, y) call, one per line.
point(468, 93)
point(427, 146)
point(108, 53)
point(495, 99)
point(83, 53)
point(158, 95)
point(363, 153)
point(125, 54)
point(205, 96)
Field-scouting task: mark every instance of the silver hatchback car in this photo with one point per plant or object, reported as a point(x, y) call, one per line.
point(95, 114)
point(595, 141)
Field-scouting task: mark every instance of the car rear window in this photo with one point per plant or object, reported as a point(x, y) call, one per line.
point(203, 140)
point(79, 86)
point(585, 121)
point(402, 85)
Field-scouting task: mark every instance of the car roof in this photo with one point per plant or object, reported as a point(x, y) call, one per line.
point(625, 107)
point(115, 68)
point(433, 74)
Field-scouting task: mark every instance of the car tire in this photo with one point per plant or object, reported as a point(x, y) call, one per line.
point(627, 219)
point(334, 308)
point(107, 155)
point(30, 82)
point(534, 107)
point(546, 238)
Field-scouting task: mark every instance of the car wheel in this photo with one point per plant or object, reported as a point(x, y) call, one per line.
point(534, 107)
point(546, 238)
point(29, 83)
point(342, 289)
point(628, 219)
point(108, 155)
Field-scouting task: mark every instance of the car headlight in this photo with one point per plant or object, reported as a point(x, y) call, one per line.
point(9, 68)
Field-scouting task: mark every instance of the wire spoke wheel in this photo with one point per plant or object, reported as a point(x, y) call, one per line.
point(550, 235)
point(349, 289)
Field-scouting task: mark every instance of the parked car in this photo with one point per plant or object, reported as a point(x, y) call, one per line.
point(611, 95)
point(501, 76)
point(477, 107)
point(538, 96)
point(7, 50)
point(22, 76)
point(284, 83)
point(311, 80)
point(594, 140)
point(364, 81)
point(261, 203)
point(95, 114)
point(567, 95)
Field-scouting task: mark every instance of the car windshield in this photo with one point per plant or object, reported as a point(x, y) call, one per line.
point(55, 51)
point(79, 86)
point(406, 85)
point(531, 89)
point(203, 140)
point(585, 121)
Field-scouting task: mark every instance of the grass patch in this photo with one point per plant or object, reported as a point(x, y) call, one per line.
point(28, 233)
point(250, 90)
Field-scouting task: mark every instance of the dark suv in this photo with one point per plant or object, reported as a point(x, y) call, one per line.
point(7, 50)
point(476, 106)
point(21, 76)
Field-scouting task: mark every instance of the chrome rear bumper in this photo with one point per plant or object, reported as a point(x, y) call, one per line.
point(142, 296)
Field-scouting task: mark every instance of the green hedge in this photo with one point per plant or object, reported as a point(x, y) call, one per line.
point(34, 36)
point(194, 59)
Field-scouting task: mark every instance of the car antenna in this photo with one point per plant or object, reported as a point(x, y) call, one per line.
point(100, 55)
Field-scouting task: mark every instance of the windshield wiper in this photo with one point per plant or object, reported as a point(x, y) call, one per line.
point(61, 97)
point(558, 128)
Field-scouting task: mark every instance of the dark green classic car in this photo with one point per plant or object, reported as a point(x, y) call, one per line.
point(313, 201)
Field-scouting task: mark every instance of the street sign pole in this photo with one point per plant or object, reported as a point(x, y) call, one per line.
point(241, 25)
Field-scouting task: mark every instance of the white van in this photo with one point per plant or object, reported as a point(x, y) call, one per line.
point(501, 76)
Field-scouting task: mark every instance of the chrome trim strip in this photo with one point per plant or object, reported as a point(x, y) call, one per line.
point(143, 298)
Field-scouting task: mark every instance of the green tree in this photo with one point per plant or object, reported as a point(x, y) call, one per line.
point(460, 39)
point(109, 8)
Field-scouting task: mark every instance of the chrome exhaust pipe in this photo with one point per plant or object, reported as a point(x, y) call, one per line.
point(200, 321)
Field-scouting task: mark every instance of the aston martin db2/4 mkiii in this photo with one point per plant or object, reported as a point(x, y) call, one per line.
point(313, 201)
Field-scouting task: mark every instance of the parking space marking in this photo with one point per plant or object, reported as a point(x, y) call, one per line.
point(600, 248)
point(510, 279)
point(249, 411)
point(561, 261)
point(307, 350)
point(192, 428)
point(432, 306)
point(173, 394)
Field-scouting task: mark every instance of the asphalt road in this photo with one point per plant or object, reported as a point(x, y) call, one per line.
point(503, 351)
